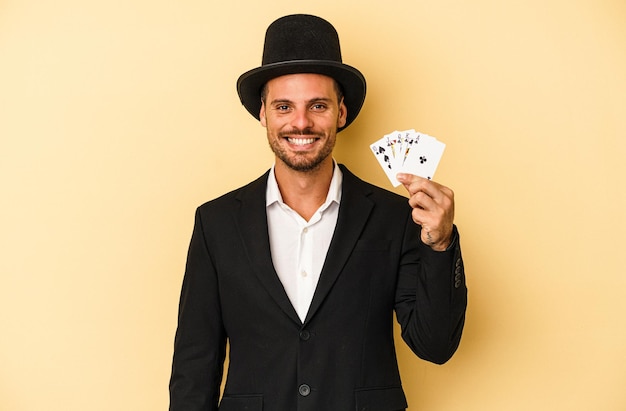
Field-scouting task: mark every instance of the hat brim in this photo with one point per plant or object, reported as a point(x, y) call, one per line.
point(351, 80)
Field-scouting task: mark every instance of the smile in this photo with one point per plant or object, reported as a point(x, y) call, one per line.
point(300, 141)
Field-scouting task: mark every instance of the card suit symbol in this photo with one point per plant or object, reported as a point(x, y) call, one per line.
point(422, 159)
point(386, 160)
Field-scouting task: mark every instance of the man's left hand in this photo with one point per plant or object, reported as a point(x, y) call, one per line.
point(433, 209)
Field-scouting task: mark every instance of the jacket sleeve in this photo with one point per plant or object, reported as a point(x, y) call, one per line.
point(200, 342)
point(431, 297)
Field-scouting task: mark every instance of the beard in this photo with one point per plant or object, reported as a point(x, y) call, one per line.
point(302, 162)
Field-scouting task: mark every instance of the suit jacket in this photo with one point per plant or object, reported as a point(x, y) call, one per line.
point(343, 356)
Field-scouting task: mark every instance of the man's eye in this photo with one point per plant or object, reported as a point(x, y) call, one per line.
point(282, 107)
point(319, 107)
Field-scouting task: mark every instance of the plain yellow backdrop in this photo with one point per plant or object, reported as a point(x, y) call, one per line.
point(118, 118)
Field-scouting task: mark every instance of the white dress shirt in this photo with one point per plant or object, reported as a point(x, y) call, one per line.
point(298, 246)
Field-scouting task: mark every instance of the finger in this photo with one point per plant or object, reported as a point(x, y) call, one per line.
point(427, 209)
point(414, 184)
point(419, 216)
point(410, 182)
point(431, 217)
point(428, 197)
point(422, 200)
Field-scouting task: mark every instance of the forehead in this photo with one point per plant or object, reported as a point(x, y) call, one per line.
point(301, 85)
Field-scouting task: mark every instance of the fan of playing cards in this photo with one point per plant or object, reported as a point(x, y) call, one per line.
point(408, 152)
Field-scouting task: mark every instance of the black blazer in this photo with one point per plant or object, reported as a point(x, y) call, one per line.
point(343, 356)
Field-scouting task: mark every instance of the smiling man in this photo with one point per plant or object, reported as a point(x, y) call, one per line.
point(304, 111)
point(301, 270)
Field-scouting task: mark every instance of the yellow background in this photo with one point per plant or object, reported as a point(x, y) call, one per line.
point(119, 117)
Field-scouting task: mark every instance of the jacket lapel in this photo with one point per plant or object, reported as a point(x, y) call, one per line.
point(354, 211)
point(251, 216)
point(252, 226)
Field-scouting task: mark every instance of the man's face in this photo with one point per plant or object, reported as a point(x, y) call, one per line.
point(301, 113)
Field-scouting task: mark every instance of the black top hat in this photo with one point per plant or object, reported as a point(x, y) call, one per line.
point(302, 43)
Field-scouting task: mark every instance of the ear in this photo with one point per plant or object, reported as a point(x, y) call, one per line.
point(262, 115)
point(343, 114)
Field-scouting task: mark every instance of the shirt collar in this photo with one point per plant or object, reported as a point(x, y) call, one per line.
point(272, 193)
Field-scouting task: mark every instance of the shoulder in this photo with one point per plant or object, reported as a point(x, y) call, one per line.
point(354, 185)
point(253, 191)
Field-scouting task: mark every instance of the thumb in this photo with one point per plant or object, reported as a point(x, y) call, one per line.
point(404, 179)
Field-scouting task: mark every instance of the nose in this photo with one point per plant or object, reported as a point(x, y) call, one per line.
point(301, 119)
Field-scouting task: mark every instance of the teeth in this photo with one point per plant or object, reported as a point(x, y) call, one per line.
point(301, 141)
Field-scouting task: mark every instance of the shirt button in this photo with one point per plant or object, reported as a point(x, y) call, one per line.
point(305, 230)
point(303, 273)
point(304, 390)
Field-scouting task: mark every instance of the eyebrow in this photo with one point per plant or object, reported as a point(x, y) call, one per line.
point(313, 100)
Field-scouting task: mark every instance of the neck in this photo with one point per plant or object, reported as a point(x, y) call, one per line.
point(304, 192)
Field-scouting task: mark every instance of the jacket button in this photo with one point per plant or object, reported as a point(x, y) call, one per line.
point(305, 335)
point(304, 390)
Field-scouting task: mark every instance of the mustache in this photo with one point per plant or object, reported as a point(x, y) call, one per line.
point(309, 132)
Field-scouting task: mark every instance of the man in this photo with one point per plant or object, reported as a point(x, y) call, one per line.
point(301, 270)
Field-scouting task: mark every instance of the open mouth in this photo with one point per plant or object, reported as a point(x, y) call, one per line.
point(301, 141)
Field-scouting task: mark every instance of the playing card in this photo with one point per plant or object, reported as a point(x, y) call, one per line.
point(409, 152)
point(424, 158)
point(385, 157)
point(407, 139)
